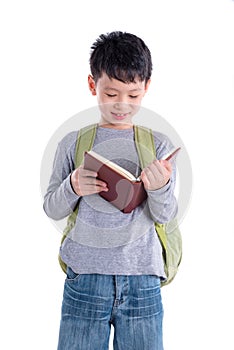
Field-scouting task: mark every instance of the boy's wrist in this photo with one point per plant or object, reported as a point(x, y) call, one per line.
point(160, 190)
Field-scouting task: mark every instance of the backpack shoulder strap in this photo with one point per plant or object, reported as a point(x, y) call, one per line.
point(85, 140)
point(144, 141)
point(145, 145)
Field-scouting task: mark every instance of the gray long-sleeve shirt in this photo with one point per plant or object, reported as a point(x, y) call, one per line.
point(105, 240)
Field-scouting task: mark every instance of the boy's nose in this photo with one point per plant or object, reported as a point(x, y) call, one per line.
point(121, 106)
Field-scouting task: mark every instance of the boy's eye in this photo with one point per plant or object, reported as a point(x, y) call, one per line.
point(110, 95)
point(114, 95)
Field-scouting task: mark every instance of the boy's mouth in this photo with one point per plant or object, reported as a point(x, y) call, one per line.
point(120, 116)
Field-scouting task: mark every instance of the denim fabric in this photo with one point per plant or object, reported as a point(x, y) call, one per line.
point(91, 303)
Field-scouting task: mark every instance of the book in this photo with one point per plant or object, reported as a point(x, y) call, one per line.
point(171, 154)
point(126, 192)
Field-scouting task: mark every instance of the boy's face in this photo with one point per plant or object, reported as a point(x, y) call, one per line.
point(118, 101)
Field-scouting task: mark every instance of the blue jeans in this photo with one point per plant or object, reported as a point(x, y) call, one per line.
point(92, 303)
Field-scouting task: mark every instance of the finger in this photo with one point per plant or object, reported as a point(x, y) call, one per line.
point(87, 173)
point(92, 189)
point(145, 180)
point(151, 175)
point(93, 181)
point(154, 170)
point(156, 174)
point(164, 167)
point(159, 166)
point(80, 173)
point(167, 165)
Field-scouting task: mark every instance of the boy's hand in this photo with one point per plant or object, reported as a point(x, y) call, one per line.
point(156, 175)
point(85, 182)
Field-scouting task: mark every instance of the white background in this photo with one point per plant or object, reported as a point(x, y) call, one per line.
point(45, 49)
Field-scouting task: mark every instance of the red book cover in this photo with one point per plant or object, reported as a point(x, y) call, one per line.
point(125, 191)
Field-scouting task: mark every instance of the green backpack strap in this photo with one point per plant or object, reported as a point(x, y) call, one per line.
point(169, 233)
point(144, 141)
point(171, 241)
point(145, 145)
point(85, 140)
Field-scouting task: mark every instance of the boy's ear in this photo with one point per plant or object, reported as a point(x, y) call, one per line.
point(147, 84)
point(91, 83)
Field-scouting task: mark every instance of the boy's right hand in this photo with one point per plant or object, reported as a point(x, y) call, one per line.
point(85, 182)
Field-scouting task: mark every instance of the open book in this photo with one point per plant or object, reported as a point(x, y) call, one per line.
point(126, 192)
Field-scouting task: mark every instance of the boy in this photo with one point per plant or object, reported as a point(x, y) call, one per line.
point(115, 280)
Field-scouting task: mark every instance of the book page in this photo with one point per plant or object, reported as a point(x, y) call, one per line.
point(114, 166)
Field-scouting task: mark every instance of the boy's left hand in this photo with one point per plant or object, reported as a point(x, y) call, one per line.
point(156, 175)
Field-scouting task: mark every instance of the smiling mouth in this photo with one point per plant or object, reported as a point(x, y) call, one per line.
point(120, 116)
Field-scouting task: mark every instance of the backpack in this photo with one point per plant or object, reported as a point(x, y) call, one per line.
point(169, 234)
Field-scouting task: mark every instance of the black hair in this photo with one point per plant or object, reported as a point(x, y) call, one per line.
point(122, 56)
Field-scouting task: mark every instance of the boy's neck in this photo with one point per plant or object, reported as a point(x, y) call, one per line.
point(116, 126)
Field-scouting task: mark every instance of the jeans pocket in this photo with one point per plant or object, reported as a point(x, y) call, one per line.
point(157, 281)
point(71, 275)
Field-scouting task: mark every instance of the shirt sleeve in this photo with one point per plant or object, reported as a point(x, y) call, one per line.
point(60, 200)
point(162, 202)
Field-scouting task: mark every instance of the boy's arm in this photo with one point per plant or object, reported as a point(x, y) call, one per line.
point(159, 180)
point(60, 199)
point(162, 202)
point(68, 184)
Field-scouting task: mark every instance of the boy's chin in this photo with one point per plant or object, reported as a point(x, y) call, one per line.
point(119, 120)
